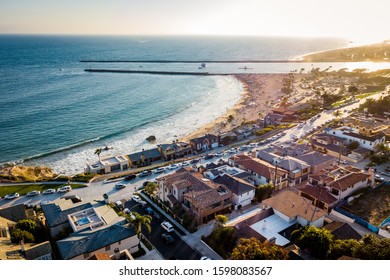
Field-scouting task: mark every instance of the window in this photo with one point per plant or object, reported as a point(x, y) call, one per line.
point(107, 248)
point(86, 255)
point(119, 242)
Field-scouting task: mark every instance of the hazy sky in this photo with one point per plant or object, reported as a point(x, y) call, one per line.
point(363, 20)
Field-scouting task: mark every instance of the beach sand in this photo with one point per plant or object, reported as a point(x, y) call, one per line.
point(259, 90)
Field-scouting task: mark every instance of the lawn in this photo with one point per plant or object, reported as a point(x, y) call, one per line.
point(373, 207)
point(24, 189)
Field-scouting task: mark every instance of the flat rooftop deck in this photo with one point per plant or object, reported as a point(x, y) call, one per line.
point(271, 226)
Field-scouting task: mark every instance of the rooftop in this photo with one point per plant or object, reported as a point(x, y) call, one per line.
point(270, 228)
point(292, 205)
point(85, 219)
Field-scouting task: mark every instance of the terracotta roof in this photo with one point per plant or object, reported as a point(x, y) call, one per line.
point(204, 199)
point(348, 181)
point(258, 166)
point(318, 193)
point(292, 205)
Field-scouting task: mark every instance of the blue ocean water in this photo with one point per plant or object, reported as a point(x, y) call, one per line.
point(55, 113)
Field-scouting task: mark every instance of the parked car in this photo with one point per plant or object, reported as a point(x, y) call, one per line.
point(143, 204)
point(167, 226)
point(119, 204)
point(145, 173)
point(136, 198)
point(184, 163)
point(173, 166)
point(167, 238)
point(64, 189)
point(193, 161)
point(130, 177)
point(159, 170)
point(219, 154)
point(11, 196)
point(205, 258)
point(34, 193)
point(208, 156)
point(120, 186)
point(49, 191)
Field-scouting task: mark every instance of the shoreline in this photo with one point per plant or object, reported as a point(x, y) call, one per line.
point(258, 91)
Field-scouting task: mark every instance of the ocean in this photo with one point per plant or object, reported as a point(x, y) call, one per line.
point(54, 113)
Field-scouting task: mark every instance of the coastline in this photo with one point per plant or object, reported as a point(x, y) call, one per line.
point(259, 90)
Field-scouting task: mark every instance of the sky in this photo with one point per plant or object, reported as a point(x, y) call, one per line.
point(361, 20)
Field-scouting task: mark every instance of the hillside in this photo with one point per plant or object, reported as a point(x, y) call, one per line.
point(376, 52)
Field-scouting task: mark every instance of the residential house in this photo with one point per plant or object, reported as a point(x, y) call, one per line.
point(41, 251)
point(319, 196)
point(298, 170)
point(262, 172)
point(292, 207)
point(280, 116)
point(329, 187)
point(330, 144)
point(316, 160)
point(110, 240)
point(174, 150)
point(212, 173)
point(365, 139)
point(144, 157)
point(60, 216)
point(204, 143)
point(227, 138)
point(196, 194)
point(108, 165)
point(243, 192)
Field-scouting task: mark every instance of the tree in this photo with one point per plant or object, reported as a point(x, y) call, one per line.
point(264, 191)
point(253, 249)
point(221, 220)
point(373, 248)
point(138, 222)
point(346, 247)
point(337, 114)
point(223, 240)
point(98, 151)
point(27, 225)
point(18, 235)
point(317, 241)
point(150, 188)
point(353, 145)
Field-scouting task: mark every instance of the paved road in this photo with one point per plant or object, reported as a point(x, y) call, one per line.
point(177, 250)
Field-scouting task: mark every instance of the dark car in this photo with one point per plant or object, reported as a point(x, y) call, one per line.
point(193, 161)
point(208, 156)
point(130, 177)
point(167, 238)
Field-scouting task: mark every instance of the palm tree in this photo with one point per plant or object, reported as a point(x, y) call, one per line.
point(337, 114)
point(138, 222)
point(98, 152)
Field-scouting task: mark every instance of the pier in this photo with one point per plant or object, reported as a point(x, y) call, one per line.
point(155, 72)
point(190, 61)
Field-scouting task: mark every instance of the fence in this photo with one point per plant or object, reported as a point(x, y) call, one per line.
point(357, 218)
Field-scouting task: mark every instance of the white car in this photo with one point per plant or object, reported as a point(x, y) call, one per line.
point(120, 186)
point(205, 258)
point(11, 196)
point(184, 163)
point(49, 191)
point(159, 170)
point(173, 166)
point(219, 154)
point(136, 198)
point(167, 226)
point(34, 193)
point(64, 189)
